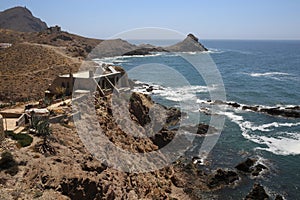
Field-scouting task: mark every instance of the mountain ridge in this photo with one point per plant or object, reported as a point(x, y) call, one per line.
point(21, 19)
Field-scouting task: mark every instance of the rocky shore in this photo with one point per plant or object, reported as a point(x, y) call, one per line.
point(73, 173)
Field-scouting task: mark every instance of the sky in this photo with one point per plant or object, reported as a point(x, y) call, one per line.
point(207, 19)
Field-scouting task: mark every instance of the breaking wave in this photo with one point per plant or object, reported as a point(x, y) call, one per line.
point(280, 143)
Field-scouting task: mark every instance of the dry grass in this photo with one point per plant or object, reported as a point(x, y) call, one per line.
point(28, 69)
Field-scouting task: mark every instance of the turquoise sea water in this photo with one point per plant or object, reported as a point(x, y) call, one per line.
point(264, 73)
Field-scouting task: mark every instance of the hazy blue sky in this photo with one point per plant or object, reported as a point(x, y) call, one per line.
point(209, 19)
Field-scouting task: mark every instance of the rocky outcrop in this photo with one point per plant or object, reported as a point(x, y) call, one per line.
point(118, 47)
point(189, 44)
point(21, 19)
point(257, 193)
point(144, 51)
point(251, 166)
point(289, 112)
point(140, 105)
point(222, 178)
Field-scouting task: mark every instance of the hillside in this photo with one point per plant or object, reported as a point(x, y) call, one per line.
point(74, 44)
point(21, 19)
point(27, 69)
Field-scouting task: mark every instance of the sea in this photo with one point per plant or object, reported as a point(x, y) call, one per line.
point(257, 73)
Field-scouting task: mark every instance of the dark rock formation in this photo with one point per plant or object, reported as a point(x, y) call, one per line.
point(140, 105)
point(251, 166)
point(21, 19)
point(222, 178)
point(144, 51)
point(258, 169)
point(253, 108)
point(235, 105)
point(118, 47)
point(163, 138)
point(189, 44)
point(246, 165)
point(294, 113)
point(257, 193)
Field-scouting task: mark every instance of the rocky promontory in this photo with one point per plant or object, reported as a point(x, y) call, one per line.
point(118, 47)
point(189, 44)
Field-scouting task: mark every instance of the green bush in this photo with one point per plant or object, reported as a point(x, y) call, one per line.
point(24, 140)
point(8, 163)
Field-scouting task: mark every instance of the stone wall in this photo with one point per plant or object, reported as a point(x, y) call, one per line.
point(1, 129)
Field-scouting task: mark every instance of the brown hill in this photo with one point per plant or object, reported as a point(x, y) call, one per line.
point(27, 69)
point(74, 44)
point(36, 58)
point(21, 19)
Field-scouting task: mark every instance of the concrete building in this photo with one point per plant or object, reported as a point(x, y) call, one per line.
point(103, 78)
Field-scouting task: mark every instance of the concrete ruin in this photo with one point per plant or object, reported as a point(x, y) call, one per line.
point(103, 78)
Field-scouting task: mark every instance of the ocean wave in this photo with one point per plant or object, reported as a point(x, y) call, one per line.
point(268, 74)
point(175, 94)
point(283, 143)
point(181, 93)
point(120, 58)
point(272, 75)
point(215, 51)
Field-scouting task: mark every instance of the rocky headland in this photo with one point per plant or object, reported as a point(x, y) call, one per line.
point(66, 169)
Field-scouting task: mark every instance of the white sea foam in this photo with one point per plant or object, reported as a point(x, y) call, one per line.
point(266, 127)
point(181, 93)
point(176, 94)
point(216, 51)
point(272, 75)
point(123, 58)
point(268, 74)
point(280, 145)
